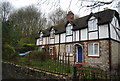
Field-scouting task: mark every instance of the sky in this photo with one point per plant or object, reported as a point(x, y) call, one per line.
point(47, 6)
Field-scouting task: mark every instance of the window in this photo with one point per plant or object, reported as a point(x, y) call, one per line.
point(69, 29)
point(41, 34)
point(51, 50)
point(69, 49)
point(93, 49)
point(52, 33)
point(92, 24)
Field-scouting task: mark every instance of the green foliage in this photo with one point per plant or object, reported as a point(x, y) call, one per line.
point(39, 55)
point(30, 46)
point(9, 52)
point(26, 47)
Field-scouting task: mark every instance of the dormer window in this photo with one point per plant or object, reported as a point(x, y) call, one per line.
point(52, 33)
point(41, 34)
point(69, 29)
point(92, 24)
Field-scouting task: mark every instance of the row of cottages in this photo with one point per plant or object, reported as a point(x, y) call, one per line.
point(92, 40)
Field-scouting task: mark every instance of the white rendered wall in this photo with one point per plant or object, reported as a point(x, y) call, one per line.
point(84, 34)
point(77, 35)
point(74, 36)
point(37, 43)
point(103, 31)
point(44, 40)
point(47, 38)
point(114, 26)
point(40, 42)
point(56, 38)
point(51, 41)
point(62, 38)
point(93, 35)
point(69, 39)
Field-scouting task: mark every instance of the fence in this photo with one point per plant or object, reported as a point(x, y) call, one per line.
point(62, 64)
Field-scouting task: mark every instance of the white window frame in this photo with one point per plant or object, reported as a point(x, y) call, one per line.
point(52, 33)
point(93, 49)
point(92, 24)
point(69, 50)
point(51, 48)
point(41, 34)
point(69, 29)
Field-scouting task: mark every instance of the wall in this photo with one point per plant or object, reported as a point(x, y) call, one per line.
point(13, 71)
point(115, 51)
point(102, 61)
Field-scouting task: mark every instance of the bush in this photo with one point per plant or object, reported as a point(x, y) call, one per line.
point(30, 46)
point(26, 47)
point(9, 52)
point(38, 55)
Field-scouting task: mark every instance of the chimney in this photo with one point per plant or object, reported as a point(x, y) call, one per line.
point(70, 16)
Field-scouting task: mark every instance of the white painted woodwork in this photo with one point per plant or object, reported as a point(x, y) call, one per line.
point(62, 38)
point(93, 35)
point(69, 39)
point(84, 34)
point(77, 35)
point(56, 38)
point(103, 31)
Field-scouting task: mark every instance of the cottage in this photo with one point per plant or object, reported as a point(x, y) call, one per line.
point(92, 40)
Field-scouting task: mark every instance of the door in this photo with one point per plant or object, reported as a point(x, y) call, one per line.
point(79, 54)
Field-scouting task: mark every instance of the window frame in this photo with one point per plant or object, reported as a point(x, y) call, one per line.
point(69, 47)
point(51, 48)
point(92, 24)
point(93, 49)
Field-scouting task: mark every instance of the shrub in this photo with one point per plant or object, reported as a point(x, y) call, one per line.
point(30, 46)
point(38, 55)
point(9, 52)
point(26, 47)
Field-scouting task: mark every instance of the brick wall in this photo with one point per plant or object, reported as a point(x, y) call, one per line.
point(99, 62)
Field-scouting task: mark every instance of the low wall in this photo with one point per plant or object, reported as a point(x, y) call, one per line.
point(13, 71)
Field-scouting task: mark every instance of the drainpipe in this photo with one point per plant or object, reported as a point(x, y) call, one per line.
point(109, 47)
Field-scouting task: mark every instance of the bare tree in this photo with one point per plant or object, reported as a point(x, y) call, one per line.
point(28, 21)
point(5, 8)
point(57, 17)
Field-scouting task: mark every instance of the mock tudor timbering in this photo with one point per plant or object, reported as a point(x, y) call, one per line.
point(92, 40)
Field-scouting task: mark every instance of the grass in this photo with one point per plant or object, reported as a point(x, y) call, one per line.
point(47, 65)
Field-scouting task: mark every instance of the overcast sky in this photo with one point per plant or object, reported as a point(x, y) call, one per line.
point(46, 6)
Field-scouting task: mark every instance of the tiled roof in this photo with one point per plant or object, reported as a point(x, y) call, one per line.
point(80, 23)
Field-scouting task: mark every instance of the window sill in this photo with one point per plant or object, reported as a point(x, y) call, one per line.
point(94, 56)
point(69, 55)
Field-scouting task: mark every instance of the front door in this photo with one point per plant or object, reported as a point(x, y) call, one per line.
point(79, 54)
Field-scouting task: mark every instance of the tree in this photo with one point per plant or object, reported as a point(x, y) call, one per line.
point(28, 21)
point(58, 17)
point(5, 9)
